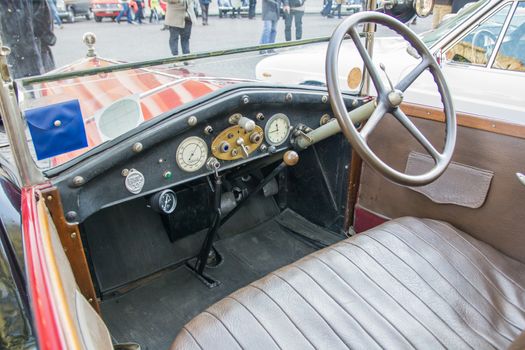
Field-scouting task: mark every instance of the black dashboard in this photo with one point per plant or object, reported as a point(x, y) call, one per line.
point(227, 130)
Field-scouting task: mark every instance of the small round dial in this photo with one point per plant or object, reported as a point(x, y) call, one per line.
point(164, 202)
point(277, 129)
point(192, 154)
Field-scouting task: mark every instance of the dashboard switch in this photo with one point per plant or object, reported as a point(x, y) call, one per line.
point(244, 149)
point(246, 123)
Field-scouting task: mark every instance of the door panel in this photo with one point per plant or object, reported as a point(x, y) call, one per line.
point(498, 222)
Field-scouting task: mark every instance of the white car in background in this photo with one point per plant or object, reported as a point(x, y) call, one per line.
point(481, 51)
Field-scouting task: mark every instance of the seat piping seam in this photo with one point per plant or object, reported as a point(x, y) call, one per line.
point(317, 312)
point(478, 250)
point(435, 292)
point(415, 318)
point(192, 337)
point(284, 313)
point(342, 307)
point(227, 329)
point(255, 317)
point(475, 266)
point(446, 281)
point(363, 299)
point(512, 323)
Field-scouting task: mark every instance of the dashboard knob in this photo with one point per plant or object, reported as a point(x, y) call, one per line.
point(291, 158)
point(255, 137)
point(224, 147)
point(246, 123)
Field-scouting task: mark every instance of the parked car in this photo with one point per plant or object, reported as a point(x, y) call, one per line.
point(466, 47)
point(105, 9)
point(70, 9)
point(221, 213)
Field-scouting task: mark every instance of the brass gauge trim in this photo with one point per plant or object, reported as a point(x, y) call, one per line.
point(229, 144)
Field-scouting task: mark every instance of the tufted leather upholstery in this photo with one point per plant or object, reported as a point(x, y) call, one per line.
point(409, 283)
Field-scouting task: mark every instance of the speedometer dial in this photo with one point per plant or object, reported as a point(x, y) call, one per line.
point(192, 154)
point(277, 129)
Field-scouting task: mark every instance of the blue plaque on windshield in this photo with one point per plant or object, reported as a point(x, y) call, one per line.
point(56, 129)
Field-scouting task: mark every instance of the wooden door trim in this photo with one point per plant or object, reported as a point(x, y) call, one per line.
point(467, 120)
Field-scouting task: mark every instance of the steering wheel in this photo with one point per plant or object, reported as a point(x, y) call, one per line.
point(484, 34)
point(389, 100)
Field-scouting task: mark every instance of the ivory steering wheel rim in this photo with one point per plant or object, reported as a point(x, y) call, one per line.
point(388, 100)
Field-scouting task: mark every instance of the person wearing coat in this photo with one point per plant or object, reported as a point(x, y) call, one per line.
point(295, 13)
point(205, 4)
point(270, 16)
point(180, 15)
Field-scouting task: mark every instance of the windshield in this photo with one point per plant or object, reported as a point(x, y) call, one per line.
point(78, 100)
point(449, 24)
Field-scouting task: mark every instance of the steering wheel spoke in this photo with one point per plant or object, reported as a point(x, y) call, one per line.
point(369, 64)
point(413, 75)
point(389, 99)
point(418, 135)
point(374, 119)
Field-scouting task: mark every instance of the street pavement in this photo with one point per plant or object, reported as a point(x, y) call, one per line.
point(133, 42)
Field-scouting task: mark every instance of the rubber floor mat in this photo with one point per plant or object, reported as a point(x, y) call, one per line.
point(153, 314)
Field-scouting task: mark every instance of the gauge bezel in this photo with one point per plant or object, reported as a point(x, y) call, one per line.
point(267, 127)
point(203, 159)
point(155, 201)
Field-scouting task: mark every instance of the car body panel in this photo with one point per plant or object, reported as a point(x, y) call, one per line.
point(495, 100)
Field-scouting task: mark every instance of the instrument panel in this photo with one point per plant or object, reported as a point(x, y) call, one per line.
point(220, 134)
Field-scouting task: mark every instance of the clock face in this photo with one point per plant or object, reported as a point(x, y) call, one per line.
point(277, 129)
point(192, 154)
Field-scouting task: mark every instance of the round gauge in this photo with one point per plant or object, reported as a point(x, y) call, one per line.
point(192, 154)
point(164, 202)
point(277, 129)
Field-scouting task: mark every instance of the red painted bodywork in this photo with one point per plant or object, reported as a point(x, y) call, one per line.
point(44, 313)
point(110, 14)
point(365, 220)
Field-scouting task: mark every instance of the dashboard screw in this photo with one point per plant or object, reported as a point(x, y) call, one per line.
point(208, 129)
point(259, 116)
point(289, 97)
point(124, 172)
point(73, 235)
point(78, 181)
point(324, 99)
point(192, 121)
point(263, 148)
point(245, 99)
point(324, 119)
point(137, 147)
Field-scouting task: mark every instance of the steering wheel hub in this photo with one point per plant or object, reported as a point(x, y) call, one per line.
point(395, 98)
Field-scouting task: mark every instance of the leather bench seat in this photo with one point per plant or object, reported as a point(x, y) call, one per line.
point(409, 283)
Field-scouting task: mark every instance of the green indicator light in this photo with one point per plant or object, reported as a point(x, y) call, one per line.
point(167, 174)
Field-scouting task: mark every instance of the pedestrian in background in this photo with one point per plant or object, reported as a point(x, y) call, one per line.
point(180, 15)
point(205, 5)
point(327, 9)
point(270, 16)
point(295, 14)
point(139, 15)
point(251, 8)
point(337, 9)
point(236, 7)
point(155, 10)
point(54, 13)
point(441, 8)
point(126, 10)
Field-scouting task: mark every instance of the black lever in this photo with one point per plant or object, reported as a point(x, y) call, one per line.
point(290, 158)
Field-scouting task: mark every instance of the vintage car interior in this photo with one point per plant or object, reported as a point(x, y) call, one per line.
point(246, 219)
